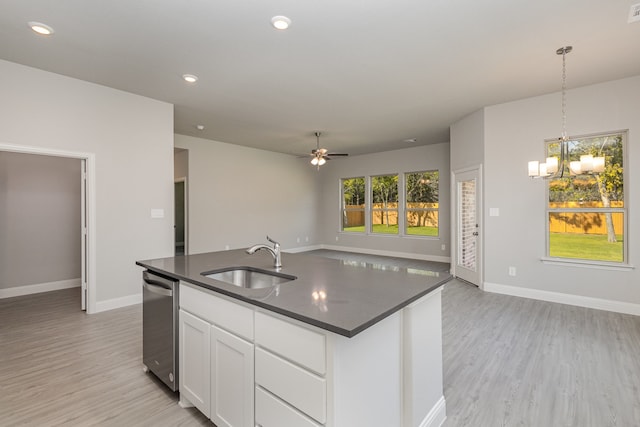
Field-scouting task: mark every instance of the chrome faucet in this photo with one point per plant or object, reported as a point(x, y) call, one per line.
point(275, 251)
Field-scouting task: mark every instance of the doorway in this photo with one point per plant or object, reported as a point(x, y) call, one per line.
point(468, 218)
point(86, 224)
point(180, 215)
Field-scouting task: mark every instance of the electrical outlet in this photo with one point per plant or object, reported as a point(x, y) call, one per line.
point(512, 271)
point(298, 240)
point(443, 247)
point(306, 239)
point(226, 247)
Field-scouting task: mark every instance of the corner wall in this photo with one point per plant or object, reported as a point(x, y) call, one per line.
point(514, 134)
point(39, 219)
point(415, 159)
point(238, 195)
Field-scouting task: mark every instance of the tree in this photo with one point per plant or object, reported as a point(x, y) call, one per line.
point(610, 182)
point(353, 190)
point(385, 190)
point(422, 188)
point(603, 187)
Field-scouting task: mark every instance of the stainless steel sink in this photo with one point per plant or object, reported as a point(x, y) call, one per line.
point(249, 277)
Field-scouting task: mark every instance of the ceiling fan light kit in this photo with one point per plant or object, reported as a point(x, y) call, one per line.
point(321, 155)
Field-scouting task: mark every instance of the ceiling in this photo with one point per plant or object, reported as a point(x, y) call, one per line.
point(368, 74)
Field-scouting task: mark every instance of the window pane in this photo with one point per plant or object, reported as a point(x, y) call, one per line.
point(421, 203)
point(604, 189)
point(353, 194)
point(422, 222)
point(594, 236)
point(586, 208)
point(384, 206)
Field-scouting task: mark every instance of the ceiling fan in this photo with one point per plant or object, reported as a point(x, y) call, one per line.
point(321, 155)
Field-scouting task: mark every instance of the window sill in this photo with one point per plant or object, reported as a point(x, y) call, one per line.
point(401, 236)
point(587, 264)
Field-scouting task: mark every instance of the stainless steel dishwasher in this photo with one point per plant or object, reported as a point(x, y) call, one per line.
point(160, 327)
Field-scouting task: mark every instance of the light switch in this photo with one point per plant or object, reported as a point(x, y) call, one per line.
point(494, 211)
point(157, 213)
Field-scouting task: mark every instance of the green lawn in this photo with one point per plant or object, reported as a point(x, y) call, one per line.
point(585, 246)
point(393, 229)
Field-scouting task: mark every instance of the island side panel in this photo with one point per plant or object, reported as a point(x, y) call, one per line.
point(366, 376)
point(422, 391)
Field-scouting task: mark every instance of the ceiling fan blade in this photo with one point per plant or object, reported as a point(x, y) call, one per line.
point(336, 154)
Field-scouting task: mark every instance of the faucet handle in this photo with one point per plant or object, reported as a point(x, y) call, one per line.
point(273, 241)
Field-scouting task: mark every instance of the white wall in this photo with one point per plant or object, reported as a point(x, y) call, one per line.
point(415, 159)
point(515, 133)
point(468, 134)
point(238, 195)
point(39, 219)
point(132, 140)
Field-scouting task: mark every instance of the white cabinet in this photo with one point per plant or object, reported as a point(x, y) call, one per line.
point(244, 367)
point(231, 380)
point(195, 377)
point(216, 358)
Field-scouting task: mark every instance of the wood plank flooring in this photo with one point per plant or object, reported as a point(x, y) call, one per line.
point(61, 367)
point(512, 361)
point(508, 361)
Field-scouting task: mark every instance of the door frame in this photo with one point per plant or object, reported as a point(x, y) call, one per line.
point(88, 255)
point(479, 217)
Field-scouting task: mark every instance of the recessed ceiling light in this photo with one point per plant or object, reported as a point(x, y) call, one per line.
point(200, 127)
point(280, 22)
point(190, 78)
point(40, 28)
point(411, 140)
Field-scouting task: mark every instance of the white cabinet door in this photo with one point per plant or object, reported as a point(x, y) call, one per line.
point(232, 386)
point(195, 374)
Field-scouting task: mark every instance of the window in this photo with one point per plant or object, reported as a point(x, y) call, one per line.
point(353, 191)
point(586, 214)
point(384, 204)
point(421, 203)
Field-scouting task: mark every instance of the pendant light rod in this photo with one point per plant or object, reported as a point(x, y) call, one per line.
point(564, 51)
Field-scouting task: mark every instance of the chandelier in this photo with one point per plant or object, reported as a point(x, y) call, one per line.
point(553, 167)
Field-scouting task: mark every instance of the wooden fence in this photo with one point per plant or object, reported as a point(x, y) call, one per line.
point(416, 216)
point(584, 222)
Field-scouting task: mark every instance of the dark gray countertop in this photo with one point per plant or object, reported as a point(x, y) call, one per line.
point(357, 294)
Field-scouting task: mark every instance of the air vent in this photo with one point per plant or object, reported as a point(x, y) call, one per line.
point(634, 13)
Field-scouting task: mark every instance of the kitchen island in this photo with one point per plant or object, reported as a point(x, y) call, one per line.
point(344, 344)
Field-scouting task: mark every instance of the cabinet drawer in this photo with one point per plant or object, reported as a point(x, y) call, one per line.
point(293, 342)
point(302, 389)
point(217, 310)
point(272, 412)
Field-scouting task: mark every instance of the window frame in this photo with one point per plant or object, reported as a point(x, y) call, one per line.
point(382, 210)
point(624, 210)
point(401, 208)
point(344, 210)
point(406, 208)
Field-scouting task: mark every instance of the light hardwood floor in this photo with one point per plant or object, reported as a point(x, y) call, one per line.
point(507, 362)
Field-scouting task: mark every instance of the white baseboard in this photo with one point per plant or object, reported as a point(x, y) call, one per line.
point(437, 415)
point(17, 291)
point(423, 257)
point(577, 300)
point(302, 249)
point(114, 303)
